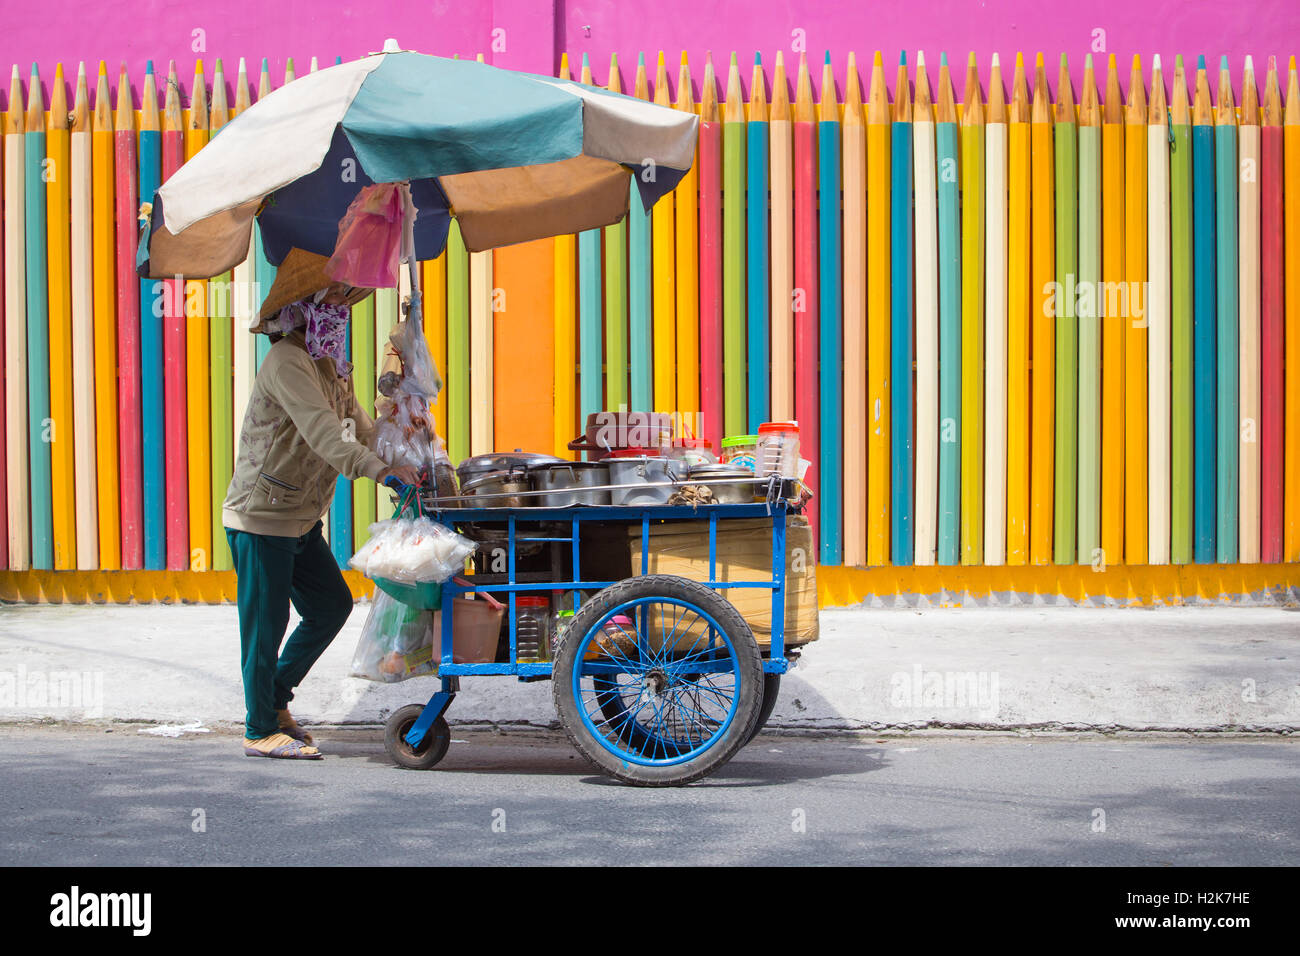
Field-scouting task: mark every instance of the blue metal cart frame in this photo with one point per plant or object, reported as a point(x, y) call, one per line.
point(450, 672)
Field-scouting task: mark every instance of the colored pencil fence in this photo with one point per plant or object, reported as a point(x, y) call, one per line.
point(1065, 336)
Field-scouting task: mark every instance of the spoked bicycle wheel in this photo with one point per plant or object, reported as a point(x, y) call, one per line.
point(658, 681)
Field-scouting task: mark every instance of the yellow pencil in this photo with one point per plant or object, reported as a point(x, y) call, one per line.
point(781, 132)
point(853, 153)
point(686, 202)
point(198, 376)
point(972, 319)
point(1135, 321)
point(1020, 300)
point(1042, 449)
point(878, 315)
point(1112, 322)
point(663, 231)
point(58, 150)
point(103, 247)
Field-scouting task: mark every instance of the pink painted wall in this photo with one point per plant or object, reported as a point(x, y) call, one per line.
point(536, 31)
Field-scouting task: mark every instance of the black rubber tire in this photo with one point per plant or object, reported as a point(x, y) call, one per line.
point(748, 690)
point(431, 750)
point(771, 689)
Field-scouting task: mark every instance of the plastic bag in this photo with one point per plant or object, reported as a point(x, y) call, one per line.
point(419, 377)
point(397, 642)
point(412, 551)
point(370, 239)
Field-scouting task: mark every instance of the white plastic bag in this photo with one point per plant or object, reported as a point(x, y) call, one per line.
point(419, 377)
point(397, 642)
point(412, 551)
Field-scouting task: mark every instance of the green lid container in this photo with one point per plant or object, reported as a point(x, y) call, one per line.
point(739, 440)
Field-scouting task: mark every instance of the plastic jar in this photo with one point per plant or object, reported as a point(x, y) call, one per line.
point(741, 451)
point(778, 449)
point(691, 451)
point(532, 628)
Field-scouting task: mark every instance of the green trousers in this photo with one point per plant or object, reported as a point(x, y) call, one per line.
point(271, 572)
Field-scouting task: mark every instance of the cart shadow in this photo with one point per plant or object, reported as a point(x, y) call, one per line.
point(770, 760)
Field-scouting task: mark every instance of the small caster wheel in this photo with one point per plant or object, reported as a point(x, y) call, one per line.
point(432, 748)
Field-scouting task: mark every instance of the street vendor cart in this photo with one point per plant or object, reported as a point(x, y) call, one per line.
point(657, 678)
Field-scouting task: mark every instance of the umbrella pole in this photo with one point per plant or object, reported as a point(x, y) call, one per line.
point(415, 305)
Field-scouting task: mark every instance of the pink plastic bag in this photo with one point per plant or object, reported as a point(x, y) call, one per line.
point(370, 239)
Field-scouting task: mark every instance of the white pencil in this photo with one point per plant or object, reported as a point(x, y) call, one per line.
point(1248, 292)
point(243, 306)
point(1158, 322)
point(480, 353)
point(927, 321)
point(995, 321)
point(15, 293)
point(83, 335)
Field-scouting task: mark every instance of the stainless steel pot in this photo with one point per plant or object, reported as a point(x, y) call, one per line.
point(498, 489)
point(565, 480)
point(651, 479)
point(729, 484)
point(509, 462)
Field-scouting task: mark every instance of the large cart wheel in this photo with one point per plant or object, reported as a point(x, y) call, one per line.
point(432, 748)
point(771, 688)
point(667, 699)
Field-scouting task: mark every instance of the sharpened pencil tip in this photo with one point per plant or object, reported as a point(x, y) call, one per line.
point(1223, 62)
point(827, 60)
point(1038, 61)
point(877, 60)
point(970, 60)
point(995, 61)
point(148, 67)
point(1250, 63)
point(758, 59)
point(1200, 62)
point(103, 68)
point(1020, 60)
point(586, 60)
point(1155, 62)
point(902, 58)
point(683, 58)
point(1064, 62)
point(640, 59)
point(920, 58)
point(243, 67)
point(943, 59)
point(1087, 61)
point(1178, 61)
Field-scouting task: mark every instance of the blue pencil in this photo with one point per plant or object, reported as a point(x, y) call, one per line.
point(900, 372)
point(758, 299)
point(1203, 321)
point(945, 138)
point(38, 334)
point(341, 509)
point(830, 332)
point(1225, 150)
point(153, 447)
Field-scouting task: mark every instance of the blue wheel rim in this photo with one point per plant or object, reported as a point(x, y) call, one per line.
point(679, 692)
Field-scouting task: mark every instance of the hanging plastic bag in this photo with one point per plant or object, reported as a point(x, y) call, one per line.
point(412, 551)
point(370, 239)
point(419, 377)
point(397, 642)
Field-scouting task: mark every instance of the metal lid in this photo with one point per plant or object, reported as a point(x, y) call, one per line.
point(720, 471)
point(501, 461)
point(562, 465)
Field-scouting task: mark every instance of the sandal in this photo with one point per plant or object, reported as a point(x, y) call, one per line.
point(282, 746)
point(291, 727)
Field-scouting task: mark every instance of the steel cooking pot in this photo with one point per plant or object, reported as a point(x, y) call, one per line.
point(650, 479)
point(509, 462)
point(565, 480)
point(498, 489)
point(728, 483)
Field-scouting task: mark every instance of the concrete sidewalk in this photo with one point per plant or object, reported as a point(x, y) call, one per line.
point(1174, 669)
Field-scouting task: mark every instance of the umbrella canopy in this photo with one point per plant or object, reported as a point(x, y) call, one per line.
point(513, 156)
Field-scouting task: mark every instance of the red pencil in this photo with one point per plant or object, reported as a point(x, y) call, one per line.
point(710, 167)
point(131, 491)
point(1271, 322)
point(174, 413)
point(806, 381)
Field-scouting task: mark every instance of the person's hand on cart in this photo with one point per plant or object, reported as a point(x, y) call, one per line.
point(403, 475)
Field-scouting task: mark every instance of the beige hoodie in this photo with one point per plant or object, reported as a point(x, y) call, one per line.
point(302, 428)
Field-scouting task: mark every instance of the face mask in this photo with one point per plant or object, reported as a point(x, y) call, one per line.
point(327, 334)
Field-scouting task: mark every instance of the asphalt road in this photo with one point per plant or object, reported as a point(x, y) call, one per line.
point(90, 797)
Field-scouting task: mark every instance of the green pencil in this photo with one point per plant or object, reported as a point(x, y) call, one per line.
point(1067, 338)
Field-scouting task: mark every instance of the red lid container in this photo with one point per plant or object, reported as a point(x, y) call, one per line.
point(531, 600)
point(776, 428)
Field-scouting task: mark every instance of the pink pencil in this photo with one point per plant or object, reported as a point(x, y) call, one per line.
point(1271, 322)
point(131, 492)
point(710, 166)
point(806, 380)
point(178, 522)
